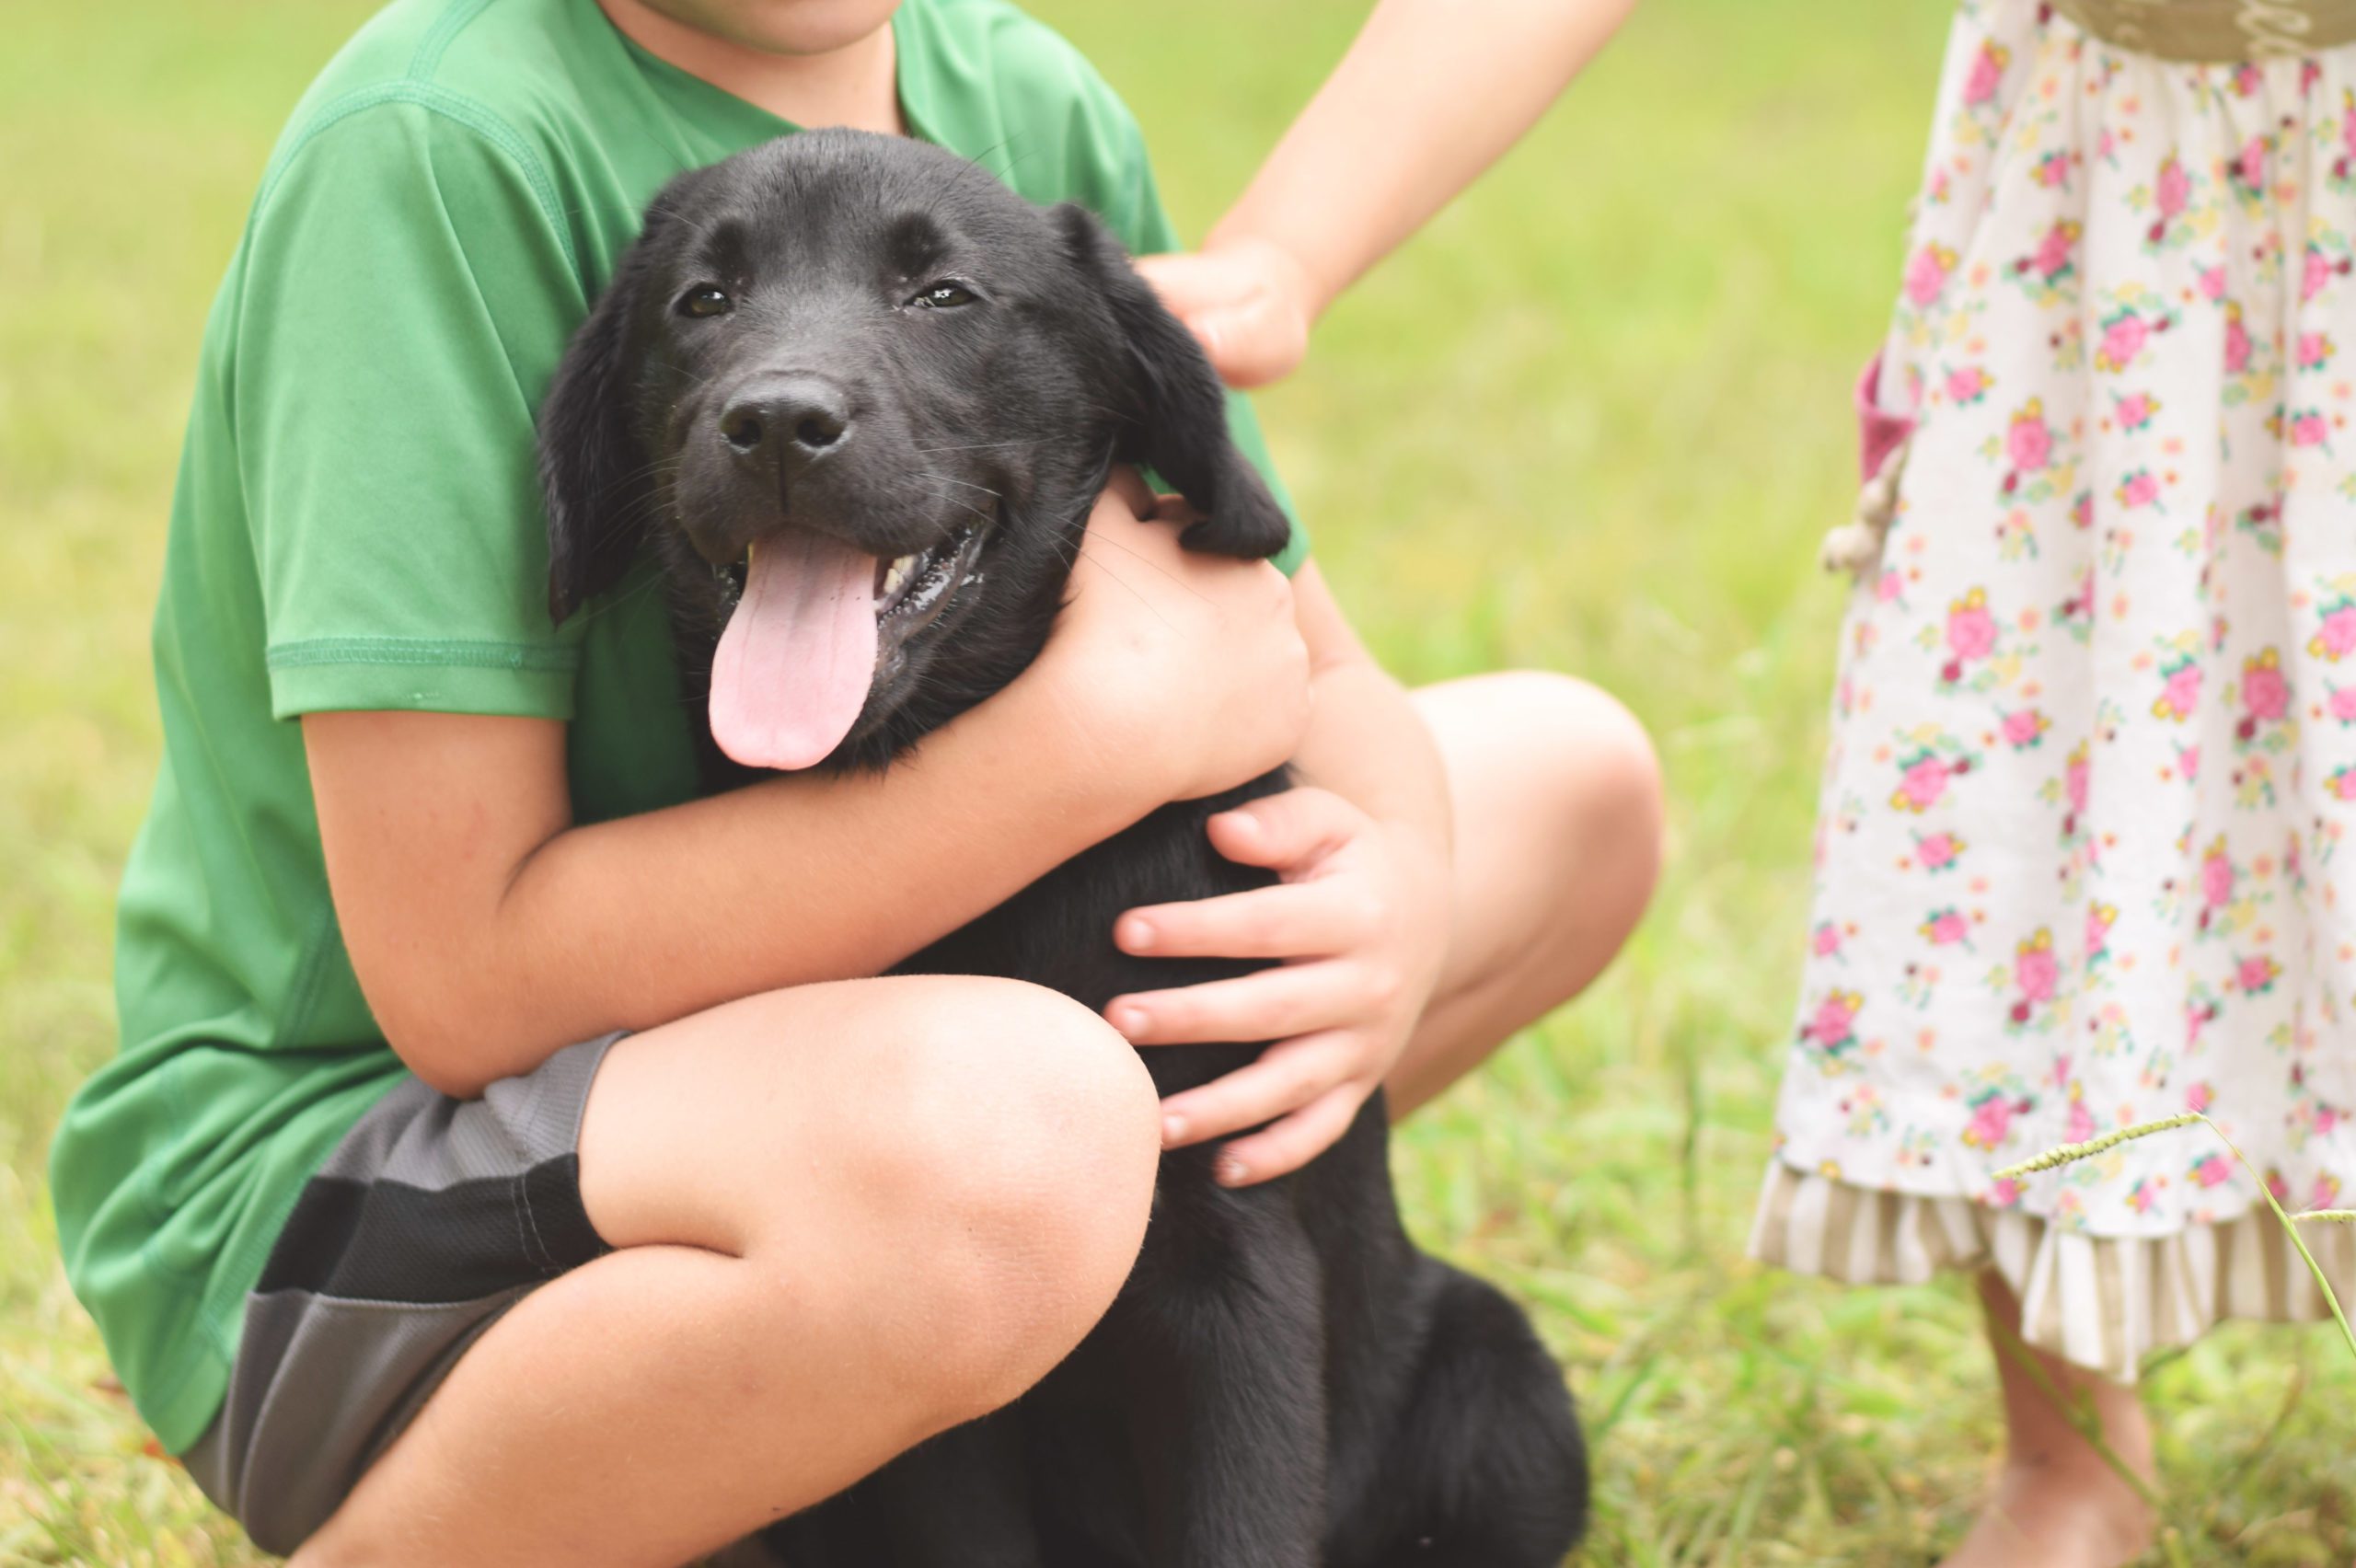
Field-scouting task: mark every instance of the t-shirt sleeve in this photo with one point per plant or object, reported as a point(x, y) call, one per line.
point(1131, 206)
point(408, 288)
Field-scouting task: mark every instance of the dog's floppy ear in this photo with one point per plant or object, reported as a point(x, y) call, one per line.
point(593, 468)
point(1175, 406)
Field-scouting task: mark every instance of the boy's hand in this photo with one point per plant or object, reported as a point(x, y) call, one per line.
point(1361, 920)
point(1247, 301)
point(1183, 673)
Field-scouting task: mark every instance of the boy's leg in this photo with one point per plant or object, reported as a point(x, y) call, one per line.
point(1557, 804)
point(847, 1218)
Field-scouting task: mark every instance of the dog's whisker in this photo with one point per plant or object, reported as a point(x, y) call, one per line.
point(985, 445)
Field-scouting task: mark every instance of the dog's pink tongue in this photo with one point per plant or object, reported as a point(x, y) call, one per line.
point(794, 665)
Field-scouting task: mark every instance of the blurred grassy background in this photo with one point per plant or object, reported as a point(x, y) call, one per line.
point(1594, 418)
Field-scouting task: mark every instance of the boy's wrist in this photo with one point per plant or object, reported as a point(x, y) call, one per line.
point(1069, 726)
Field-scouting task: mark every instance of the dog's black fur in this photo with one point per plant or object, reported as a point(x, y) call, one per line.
point(1285, 1381)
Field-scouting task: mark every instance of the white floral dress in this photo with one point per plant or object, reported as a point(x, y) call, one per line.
point(2083, 858)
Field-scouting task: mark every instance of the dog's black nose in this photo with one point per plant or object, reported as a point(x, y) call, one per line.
point(792, 421)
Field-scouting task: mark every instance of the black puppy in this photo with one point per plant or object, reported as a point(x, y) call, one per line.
point(859, 397)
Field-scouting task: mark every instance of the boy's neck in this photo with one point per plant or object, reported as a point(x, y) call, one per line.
point(855, 83)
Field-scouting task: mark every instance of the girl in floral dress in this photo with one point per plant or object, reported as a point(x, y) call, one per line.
point(2084, 856)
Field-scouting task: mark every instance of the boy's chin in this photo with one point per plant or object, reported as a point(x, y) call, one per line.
point(798, 27)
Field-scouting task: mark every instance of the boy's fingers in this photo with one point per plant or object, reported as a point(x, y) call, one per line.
point(1310, 919)
point(1287, 830)
point(1293, 1142)
point(1288, 1075)
point(1273, 1004)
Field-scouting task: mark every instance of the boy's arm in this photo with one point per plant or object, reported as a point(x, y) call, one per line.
point(488, 931)
point(1431, 93)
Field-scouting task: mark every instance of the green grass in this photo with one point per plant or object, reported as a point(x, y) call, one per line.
point(1594, 420)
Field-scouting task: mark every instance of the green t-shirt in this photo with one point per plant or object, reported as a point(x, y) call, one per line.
point(356, 527)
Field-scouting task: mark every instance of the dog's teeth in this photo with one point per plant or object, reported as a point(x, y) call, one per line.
point(896, 574)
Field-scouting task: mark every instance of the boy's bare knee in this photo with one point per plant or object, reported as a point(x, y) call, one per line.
point(1602, 781)
point(1024, 1166)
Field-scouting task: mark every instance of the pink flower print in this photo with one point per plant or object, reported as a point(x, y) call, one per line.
point(1827, 940)
point(2309, 428)
point(2142, 1195)
point(2139, 489)
point(2336, 637)
point(2024, 727)
point(2343, 703)
point(1991, 1120)
point(1972, 630)
point(1987, 73)
point(2237, 343)
point(2124, 337)
point(1833, 1027)
point(1923, 780)
point(1937, 851)
point(2325, 1194)
point(2028, 443)
point(2200, 1097)
point(2342, 784)
point(2320, 271)
point(2251, 165)
point(2135, 410)
point(2187, 762)
point(2179, 691)
point(1926, 275)
point(2212, 284)
point(2100, 918)
point(2053, 169)
point(2265, 693)
point(2248, 79)
point(2276, 1185)
point(2256, 975)
point(1946, 927)
point(2035, 969)
point(2197, 1017)
point(2212, 1170)
point(1968, 386)
point(2056, 247)
point(2170, 193)
point(2082, 1121)
point(2315, 350)
point(2005, 1193)
point(2216, 879)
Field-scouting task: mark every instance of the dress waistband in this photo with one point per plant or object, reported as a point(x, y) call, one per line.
point(2216, 32)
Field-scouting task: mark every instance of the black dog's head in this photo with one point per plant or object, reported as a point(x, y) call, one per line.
point(859, 395)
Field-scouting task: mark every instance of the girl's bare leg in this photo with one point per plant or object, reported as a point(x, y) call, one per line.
point(2056, 1503)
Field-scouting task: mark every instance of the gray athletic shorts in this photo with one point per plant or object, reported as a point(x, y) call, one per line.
point(431, 1217)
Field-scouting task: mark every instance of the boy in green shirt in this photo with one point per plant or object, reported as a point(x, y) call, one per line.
point(482, 1089)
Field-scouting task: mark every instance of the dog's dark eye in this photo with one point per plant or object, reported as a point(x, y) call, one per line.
point(706, 299)
point(943, 296)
